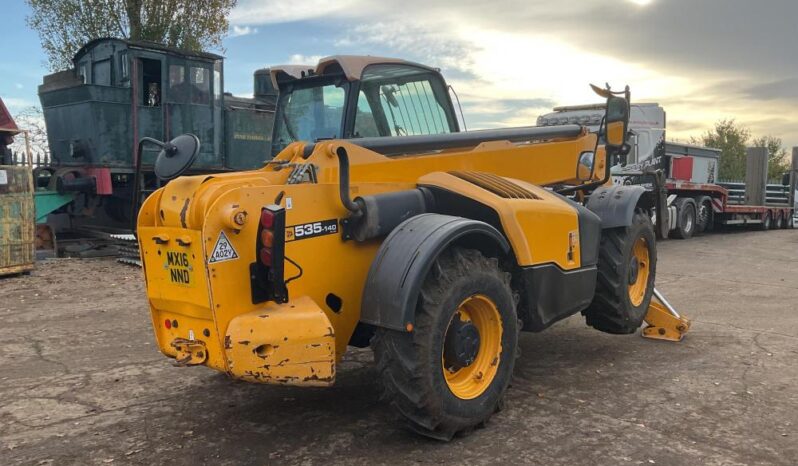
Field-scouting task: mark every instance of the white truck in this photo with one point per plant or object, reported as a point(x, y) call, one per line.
point(686, 175)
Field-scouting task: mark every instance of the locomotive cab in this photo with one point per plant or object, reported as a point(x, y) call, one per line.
point(120, 91)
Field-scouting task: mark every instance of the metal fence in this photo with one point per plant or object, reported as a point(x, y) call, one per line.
point(775, 193)
point(39, 159)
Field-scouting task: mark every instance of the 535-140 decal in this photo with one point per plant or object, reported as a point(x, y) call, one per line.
point(311, 230)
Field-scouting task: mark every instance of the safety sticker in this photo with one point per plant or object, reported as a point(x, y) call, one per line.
point(223, 251)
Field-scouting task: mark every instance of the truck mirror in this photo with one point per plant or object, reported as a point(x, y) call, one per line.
point(616, 122)
point(584, 170)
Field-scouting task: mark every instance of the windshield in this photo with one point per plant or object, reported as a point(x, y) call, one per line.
point(309, 114)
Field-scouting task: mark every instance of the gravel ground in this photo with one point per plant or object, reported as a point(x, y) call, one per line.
point(81, 381)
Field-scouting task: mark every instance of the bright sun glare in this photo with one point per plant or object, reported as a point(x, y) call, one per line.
point(641, 2)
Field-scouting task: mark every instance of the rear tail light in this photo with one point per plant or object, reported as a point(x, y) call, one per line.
point(266, 218)
point(268, 272)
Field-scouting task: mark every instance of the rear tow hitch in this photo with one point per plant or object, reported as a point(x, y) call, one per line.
point(189, 352)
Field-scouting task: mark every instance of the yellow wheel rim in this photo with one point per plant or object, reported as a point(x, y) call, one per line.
point(472, 380)
point(639, 282)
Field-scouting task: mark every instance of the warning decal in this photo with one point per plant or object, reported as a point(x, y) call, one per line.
point(223, 251)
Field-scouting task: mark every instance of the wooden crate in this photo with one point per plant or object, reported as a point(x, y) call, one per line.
point(17, 219)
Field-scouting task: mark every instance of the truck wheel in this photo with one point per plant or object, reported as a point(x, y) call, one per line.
point(777, 224)
point(766, 221)
point(704, 214)
point(787, 220)
point(686, 218)
point(627, 266)
point(450, 373)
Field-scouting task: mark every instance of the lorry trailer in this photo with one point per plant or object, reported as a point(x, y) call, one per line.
point(696, 200)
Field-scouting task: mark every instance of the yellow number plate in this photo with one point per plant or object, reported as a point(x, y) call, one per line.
point(180, 269)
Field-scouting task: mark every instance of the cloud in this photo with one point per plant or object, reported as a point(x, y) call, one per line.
point(238, 31)
point(723, 59)
point(299, 59)
point(277, 11)
point(16, 104)
point(773, 90)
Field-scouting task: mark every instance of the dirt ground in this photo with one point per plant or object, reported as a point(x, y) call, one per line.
point(81, 381)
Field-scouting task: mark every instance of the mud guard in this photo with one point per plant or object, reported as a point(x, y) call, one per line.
point(615, 205)
point(406, 257)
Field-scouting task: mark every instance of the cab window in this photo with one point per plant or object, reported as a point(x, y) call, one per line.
point(310, 114)
point(365, 126)
point(403, 100)
point(200, 85)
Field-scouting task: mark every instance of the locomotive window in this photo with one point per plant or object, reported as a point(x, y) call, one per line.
point(124, 71)
point(177, 83)
point(101, 73)
point(217, 84)
point(151, 82)
point(200, 85)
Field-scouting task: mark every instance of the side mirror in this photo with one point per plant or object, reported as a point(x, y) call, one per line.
point(584, 169)
point(616, 122)
point(176, 156)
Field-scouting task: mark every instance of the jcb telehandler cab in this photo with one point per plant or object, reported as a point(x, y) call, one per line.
point(378, 223)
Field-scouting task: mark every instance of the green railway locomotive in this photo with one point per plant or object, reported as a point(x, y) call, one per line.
point(120, 91)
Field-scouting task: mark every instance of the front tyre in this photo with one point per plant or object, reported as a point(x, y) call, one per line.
point(450, 373)
point(627, 267)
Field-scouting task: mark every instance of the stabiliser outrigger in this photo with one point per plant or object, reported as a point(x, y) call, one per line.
point(395, 230)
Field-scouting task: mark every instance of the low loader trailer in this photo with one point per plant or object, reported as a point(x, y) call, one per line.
point(392, 229)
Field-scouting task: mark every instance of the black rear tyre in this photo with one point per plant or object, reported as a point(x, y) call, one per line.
point(703, 214)
point(420, 371)
point(685, 218)
point(627, 267)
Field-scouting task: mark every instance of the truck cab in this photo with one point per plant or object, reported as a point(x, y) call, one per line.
point(646, 129)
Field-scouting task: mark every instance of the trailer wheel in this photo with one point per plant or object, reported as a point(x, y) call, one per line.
point(685, 218)
point(766, 221)
point(787, 220)
point(778, 223)
point(449, 374)
point(704, 214)
point(627, 266)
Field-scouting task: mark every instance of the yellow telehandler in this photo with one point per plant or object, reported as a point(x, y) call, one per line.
point(379, 223)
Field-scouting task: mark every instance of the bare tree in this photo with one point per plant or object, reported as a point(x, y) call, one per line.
point(31, 119)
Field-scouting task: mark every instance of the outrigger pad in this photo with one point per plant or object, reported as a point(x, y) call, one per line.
point(663, 323)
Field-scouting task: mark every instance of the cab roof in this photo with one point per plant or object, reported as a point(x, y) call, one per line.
point(146, 45)
point(351, 66)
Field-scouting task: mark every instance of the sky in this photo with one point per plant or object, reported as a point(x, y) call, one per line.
point(512, 60)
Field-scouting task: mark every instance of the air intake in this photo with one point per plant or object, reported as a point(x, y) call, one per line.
point(495, 184)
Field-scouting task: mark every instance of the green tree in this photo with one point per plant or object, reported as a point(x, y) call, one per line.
point(778, 163)
point(66, 25)
point(732, 139)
